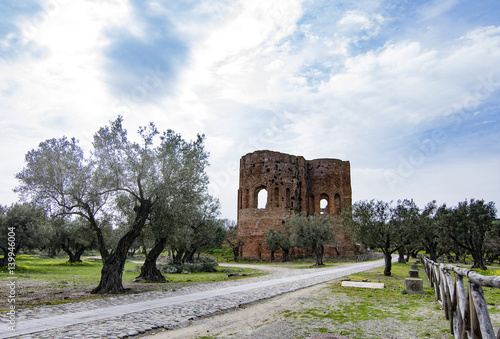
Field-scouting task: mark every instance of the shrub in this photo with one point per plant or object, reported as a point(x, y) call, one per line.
point(199, 265)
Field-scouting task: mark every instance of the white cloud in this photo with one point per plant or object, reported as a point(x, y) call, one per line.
point(59, 92)
point(395, 90)
point(355, 26)
point(258, 76)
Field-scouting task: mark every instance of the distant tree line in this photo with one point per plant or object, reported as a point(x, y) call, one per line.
point(470, 228)
point(150, 193)
point(402, 227)
point(309, 232)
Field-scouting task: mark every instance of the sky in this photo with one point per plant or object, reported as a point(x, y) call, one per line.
point(407, 91)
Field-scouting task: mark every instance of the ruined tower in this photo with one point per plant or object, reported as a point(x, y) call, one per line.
point(293, 185)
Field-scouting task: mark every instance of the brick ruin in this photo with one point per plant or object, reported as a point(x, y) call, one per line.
point(293, 185)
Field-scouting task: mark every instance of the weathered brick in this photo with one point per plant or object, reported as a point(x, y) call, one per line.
point(293, 185)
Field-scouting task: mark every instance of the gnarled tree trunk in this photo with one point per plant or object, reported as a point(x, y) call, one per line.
point(479, 261)
point(401, 257)
point(149, 271)
point(74, 257)
point(177, 257)
point(388, 263)
point(318, 253)
point(286, 254)
point(113, 265)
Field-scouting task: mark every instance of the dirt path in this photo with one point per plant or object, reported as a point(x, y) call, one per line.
point(260, 320)
point(284, 317)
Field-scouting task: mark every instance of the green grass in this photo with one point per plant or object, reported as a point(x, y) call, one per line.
point(223, 254)
point(360, 306)
point(59, 270)
point(34, 267)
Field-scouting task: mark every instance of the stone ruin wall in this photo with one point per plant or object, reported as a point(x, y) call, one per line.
point(293, 185)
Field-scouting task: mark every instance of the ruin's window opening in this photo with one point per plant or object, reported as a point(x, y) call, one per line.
point(261, 198)
point(287, 197)
point(276, 197)
point(323, 204)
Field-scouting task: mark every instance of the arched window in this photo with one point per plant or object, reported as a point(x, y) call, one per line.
point(276, 197)
point(260, 198)
point(323, 204)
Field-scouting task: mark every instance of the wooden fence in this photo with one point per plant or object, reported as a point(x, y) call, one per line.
point(466, 310)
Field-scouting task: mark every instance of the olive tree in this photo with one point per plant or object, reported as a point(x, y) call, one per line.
point(278, 239)
point(27, 222)
point(468, 224)
point(232, 238)
point(377, 224)
point(187, 229)
point(59, 176)
point(312, 232)
point(272, 240)
point(200, 230)
point(73, 236)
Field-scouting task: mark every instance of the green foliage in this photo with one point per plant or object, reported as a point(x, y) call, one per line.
point(311, 232)
point(120, 182)
point(273, 240)
point(379, 225)
point(89, 271)
point(220, 254)
point(232, 238)
point(27, 222)
point(468, 225)
point(279, 239)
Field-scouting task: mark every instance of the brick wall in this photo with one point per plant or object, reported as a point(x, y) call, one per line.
point(293, 185)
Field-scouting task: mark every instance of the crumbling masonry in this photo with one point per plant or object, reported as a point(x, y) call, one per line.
point(293, 185)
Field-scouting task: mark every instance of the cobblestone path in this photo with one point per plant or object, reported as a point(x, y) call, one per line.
point(130, 315)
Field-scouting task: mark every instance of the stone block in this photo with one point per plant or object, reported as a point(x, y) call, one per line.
point(414, 266)
point(414, 286)
point(362, 284)
point(413, 274)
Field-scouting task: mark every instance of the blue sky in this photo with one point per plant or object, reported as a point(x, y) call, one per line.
point(407, 91)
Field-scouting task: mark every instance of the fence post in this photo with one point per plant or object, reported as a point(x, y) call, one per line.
point(451, 300)
point(463, 319)
point(475, 330)
point(482, 315)
point(466, 310)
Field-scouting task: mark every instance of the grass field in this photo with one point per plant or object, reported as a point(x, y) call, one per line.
point(89, 271)
point(371, 313)
point(342, 310)
point(48, 281)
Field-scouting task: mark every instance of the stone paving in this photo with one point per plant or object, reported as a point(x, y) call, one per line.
point(130, 315)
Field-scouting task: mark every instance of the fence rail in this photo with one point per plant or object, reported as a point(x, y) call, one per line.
point(465, 309)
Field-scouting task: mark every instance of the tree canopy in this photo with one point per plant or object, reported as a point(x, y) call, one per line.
point(468, 225)
point(120, 180)
point(311, 232)
point(379, 224)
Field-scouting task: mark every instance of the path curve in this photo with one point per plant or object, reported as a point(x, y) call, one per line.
point(130, 315)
